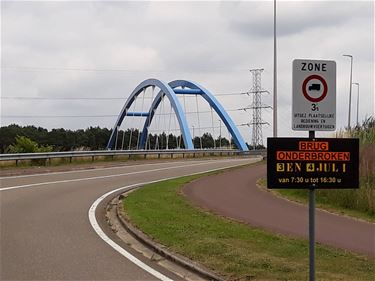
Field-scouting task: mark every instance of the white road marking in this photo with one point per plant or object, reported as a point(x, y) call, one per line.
point(118, 248)
point(111, 176)
point(94, 169)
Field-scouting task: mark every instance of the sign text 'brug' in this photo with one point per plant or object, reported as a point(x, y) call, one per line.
point(317, 163)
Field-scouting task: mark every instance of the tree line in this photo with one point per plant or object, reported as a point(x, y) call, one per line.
point(92, 138)
point(96, 138)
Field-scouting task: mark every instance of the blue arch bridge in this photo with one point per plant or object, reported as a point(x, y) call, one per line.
point(170, 92)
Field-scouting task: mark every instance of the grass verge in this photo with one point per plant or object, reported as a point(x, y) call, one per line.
point(232, 249)
point(323, 200)
point(56, 162)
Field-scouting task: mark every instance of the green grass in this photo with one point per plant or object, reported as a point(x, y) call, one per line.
point(359, 203)
point(330, 200)
point(232, 249)
point(363, 199)
point(56, 162)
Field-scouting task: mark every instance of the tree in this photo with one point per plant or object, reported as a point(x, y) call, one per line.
point(207, 140)
point(26, 145)
point(8, 135)
point(96, 138)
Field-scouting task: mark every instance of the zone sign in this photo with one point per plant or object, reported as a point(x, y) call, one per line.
point(314, 95)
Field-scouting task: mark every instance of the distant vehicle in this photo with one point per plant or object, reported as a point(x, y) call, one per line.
point(314, 87)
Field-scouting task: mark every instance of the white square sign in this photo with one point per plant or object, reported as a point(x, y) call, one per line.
point(314, 95)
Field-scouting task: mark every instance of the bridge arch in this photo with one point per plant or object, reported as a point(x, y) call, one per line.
point(171, 90)
point(165, 90)
point(212, 101)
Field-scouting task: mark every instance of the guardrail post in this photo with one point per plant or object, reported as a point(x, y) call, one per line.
point(70, 159)
point(92, 158)
point(171, 155)
point(16, 162)
point(145, 155)
point(194, 155)
point(183, 155)
point(158, 155)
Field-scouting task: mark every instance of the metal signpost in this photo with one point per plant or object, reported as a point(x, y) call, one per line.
point(312, 163)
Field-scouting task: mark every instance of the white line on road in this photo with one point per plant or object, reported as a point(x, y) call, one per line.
point(118, 248)
point(96, 169)
point(112, 176)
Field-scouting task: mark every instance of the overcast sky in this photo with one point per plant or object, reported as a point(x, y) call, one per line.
point(105, 49)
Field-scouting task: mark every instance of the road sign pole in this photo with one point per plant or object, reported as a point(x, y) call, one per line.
point(274, 72)
point(312, 225)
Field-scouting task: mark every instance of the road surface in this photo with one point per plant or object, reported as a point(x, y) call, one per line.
point(235, 195)
point(45, 229)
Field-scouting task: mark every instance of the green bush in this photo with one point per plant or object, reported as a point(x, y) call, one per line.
point(362, 199)
point(26, 145)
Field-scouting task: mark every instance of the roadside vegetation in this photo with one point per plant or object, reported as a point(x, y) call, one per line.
point(360, 202)
point(233, 250)
point(30, 139)
point(96, 138)
point(25, 145)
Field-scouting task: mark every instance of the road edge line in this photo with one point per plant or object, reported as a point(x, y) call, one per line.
point(160, 249)
point(92, 169)
point(95, 225)
point(109, 176)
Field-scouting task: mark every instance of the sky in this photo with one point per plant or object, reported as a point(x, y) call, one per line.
point(72, 64)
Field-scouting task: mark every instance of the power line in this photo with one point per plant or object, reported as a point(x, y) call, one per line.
point(56, 116)
point(119, 69)
point(99, 116)
point(63, 98)
point(83, 69)
point(97, 98)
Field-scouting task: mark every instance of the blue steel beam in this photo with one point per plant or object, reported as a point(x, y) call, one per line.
point(238, 140)
point(170, 90)
point(188, 91)
point(184, 127)
point(194, 88)
point(164, 89)
point(137, 114)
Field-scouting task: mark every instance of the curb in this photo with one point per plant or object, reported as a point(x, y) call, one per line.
point(160, 249)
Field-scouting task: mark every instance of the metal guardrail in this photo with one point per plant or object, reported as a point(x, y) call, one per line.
point(112, 153)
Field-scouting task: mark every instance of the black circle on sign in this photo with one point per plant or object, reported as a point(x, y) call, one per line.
point(325, 88)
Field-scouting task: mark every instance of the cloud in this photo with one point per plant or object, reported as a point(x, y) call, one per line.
point(293, 17)
point(105, 49)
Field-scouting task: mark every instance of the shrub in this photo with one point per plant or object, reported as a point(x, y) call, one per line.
point(26, 145)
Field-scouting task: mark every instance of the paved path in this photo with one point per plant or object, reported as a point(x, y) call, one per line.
point(236, 195)
point(45, 232)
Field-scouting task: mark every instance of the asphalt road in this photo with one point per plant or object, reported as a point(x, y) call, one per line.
point(235, 195)
point(45, 229)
